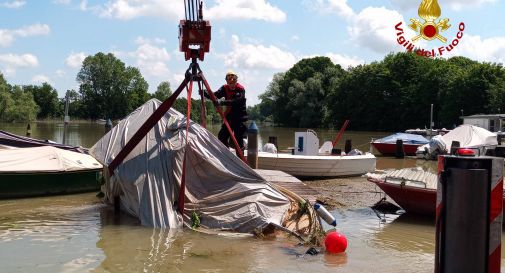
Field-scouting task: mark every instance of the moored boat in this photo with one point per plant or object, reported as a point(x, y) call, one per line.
point(467, 136)
point(317, 165)
point(9, 140)
point(308, 160)
point(413, 189)
point(41, 171)
point(387, 145)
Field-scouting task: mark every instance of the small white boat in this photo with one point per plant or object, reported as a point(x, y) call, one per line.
point(317, 165)
point(308, 160)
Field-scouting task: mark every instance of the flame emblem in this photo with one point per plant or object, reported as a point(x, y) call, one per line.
point(429, 11)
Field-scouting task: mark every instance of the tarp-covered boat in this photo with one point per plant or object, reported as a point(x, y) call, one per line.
point(46, 170)
point(387, 145)
point(224, 192)
point(468, 136)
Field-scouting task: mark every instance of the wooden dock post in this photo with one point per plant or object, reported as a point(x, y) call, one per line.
point(400, 153)
point(28, 130)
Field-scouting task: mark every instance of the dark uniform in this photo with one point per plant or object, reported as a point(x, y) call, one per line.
point(235, 113)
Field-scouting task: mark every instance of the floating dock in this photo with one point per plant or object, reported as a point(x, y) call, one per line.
point(289, 182)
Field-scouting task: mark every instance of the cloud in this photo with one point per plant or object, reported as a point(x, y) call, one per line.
point(60, 73)
point(374, 28)
point(7, 37)
point(151, 59)
point(469, 4)
point(130, 9)
point(25, 60)
point(74, 60)
point(245, 9)
point(258, 56)
point(13, 5)
point(41, 79)
point(141, 40)
point(11, 62)
point(453, 4)
point(344, 61)
point(485, 50)
point(174, 10)
point(83, 5)
point(339, 7)
point(62, 2)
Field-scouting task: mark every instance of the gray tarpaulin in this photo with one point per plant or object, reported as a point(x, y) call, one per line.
point(224, 191)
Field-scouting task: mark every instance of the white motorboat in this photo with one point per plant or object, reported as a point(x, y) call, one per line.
point(308, 160)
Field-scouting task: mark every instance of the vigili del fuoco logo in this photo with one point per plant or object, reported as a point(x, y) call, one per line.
point(429, 27)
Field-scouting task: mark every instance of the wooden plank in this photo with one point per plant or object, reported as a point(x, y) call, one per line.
point(289, 182)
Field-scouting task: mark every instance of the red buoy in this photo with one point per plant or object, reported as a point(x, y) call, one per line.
point(335, 242)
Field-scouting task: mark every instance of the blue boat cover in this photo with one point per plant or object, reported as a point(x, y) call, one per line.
point(406, 138)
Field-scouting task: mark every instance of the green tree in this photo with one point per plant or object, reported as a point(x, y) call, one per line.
point(163, 91)
point(6, 101)
point(46, 98)
point(24, 107)
point(109, 89)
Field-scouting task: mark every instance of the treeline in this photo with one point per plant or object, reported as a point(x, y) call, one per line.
point(389, 95)
point(107, 89)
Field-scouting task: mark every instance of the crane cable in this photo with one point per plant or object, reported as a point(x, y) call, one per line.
point(193, 10)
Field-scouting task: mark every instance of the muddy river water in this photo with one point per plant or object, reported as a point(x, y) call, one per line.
point(76, 233)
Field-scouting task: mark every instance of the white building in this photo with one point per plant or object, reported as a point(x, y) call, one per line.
point(491, 122)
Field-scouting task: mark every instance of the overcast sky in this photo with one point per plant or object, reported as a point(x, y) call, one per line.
point(46, 41)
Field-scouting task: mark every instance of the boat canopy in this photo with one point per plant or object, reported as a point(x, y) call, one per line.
point(10, 140)
point(406, 138)
point(45, 159)
point(470, 136)
point(221, 189)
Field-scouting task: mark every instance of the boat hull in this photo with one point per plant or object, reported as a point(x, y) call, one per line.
point(19, 185)
point(412, 199)
point(390, 148)
point(317, 166)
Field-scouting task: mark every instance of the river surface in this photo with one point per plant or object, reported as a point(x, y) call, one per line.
point(76, 233)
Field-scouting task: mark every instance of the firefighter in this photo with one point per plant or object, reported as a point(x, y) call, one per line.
point(232, 95)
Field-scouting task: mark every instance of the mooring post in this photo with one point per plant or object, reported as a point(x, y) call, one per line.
point(66, 120)
point(348, 146)
point(273, 140)
point(108, 125)
point(28, 130)
point(469, 214)
point(454, 147)
point(399, 149)
point(252, 145)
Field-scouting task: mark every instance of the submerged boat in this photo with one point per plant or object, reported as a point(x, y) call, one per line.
point(308, 160)
point(413, 189)
point(41, 171)
point(176, 166)
point(387, 145)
